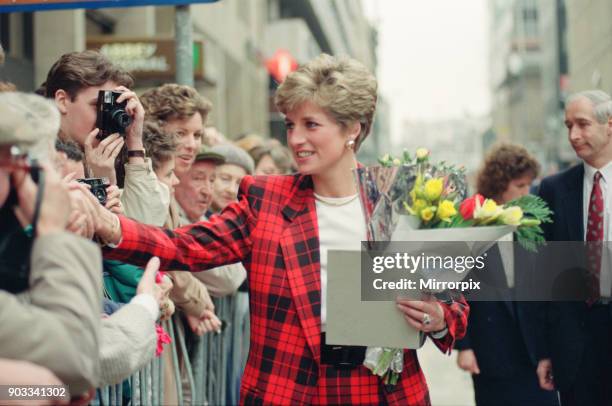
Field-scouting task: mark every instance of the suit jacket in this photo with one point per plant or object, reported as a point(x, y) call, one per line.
point(562, 336)
point(273, 230)
point(502, 333)
point(56, 322)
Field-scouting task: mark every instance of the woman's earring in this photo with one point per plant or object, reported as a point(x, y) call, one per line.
point(350, 144)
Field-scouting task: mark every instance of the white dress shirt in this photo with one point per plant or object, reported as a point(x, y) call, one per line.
point(341, 227)
point(605, 281)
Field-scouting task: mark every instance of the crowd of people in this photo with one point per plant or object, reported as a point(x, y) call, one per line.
point(127, 209)
point(162, 171)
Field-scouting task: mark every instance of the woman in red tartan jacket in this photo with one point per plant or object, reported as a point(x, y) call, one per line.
point(281, 229)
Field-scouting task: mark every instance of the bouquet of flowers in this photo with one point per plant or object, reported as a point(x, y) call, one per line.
point(435, 200)
point(408, 198)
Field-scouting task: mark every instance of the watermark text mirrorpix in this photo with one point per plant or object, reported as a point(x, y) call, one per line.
point(425, 266)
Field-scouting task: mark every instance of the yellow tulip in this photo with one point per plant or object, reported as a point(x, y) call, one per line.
point(422, 153)
point(433, 189)
point(418, 205)
point(428, 213)
point(512, 216)
point(446, 210)
point(489, 211)
point(418, 181)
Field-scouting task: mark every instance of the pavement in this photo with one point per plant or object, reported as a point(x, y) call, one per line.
point(448, 385)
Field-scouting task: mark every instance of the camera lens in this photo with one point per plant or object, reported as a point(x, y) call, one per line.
point(121, 119)
point(100, 194)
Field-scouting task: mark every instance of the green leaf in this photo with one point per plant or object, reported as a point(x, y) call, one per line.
point(533, 206)
point(406, 157)
point(530, 238)
point(535, 211)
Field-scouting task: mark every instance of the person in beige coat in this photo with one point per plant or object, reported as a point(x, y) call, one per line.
point(55, 323)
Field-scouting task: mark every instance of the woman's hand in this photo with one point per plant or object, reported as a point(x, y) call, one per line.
point(159, 292)
point(113, 202)
point(424, 315)
point(206, 323)
point(466, 360)
point(101, 155)
point(166, 305)
point(108, 226)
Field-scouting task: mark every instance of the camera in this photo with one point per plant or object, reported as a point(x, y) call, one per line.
point(16, 242)
point(97, 187)
point(112, 117)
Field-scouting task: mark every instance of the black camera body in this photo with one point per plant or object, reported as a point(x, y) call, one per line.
point(97, 187)
point(112, 117)
point(16, 242)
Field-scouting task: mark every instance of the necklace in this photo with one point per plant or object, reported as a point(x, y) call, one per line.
point(335, 201)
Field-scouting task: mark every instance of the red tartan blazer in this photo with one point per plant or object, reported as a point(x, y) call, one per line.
point(273, 230)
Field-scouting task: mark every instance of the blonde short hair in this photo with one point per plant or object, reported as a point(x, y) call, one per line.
point(341, 86)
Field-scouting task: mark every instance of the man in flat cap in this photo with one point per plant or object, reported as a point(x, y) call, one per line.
point(50, 318)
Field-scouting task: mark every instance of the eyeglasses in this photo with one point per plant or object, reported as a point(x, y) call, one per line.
point(12, 157)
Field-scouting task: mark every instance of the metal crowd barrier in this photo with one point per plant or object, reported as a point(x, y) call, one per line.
point(205, 370)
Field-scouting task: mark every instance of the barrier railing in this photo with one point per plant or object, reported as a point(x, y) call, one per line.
point(204, 372)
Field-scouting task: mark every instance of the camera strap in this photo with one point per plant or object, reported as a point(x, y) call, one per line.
point(39, 178)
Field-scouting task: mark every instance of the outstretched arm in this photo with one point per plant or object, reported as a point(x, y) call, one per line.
point(224, 239)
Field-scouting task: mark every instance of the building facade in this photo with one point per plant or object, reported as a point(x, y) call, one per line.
point(339, 27)
point(516, 74)
point(589, 43)
point(555, 81)
point(234, 39)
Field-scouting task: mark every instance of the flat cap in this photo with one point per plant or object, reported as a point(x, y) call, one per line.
point(27, 119)
point(235, 156)
point(205, 154)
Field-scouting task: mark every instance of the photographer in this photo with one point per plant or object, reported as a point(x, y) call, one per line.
point(54, 320)
point(75, 82)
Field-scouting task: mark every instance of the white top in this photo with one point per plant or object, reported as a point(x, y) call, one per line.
point(341, 227)
point(605, 281)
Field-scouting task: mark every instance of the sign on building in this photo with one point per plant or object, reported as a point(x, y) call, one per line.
point(147, 58)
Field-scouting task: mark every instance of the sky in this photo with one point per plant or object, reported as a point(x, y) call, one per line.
point(433, 58)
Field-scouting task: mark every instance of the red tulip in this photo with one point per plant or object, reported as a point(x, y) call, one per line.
point(468, 205)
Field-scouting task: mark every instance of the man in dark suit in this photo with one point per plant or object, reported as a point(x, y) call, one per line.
point(575, 347)
point(499, 348)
